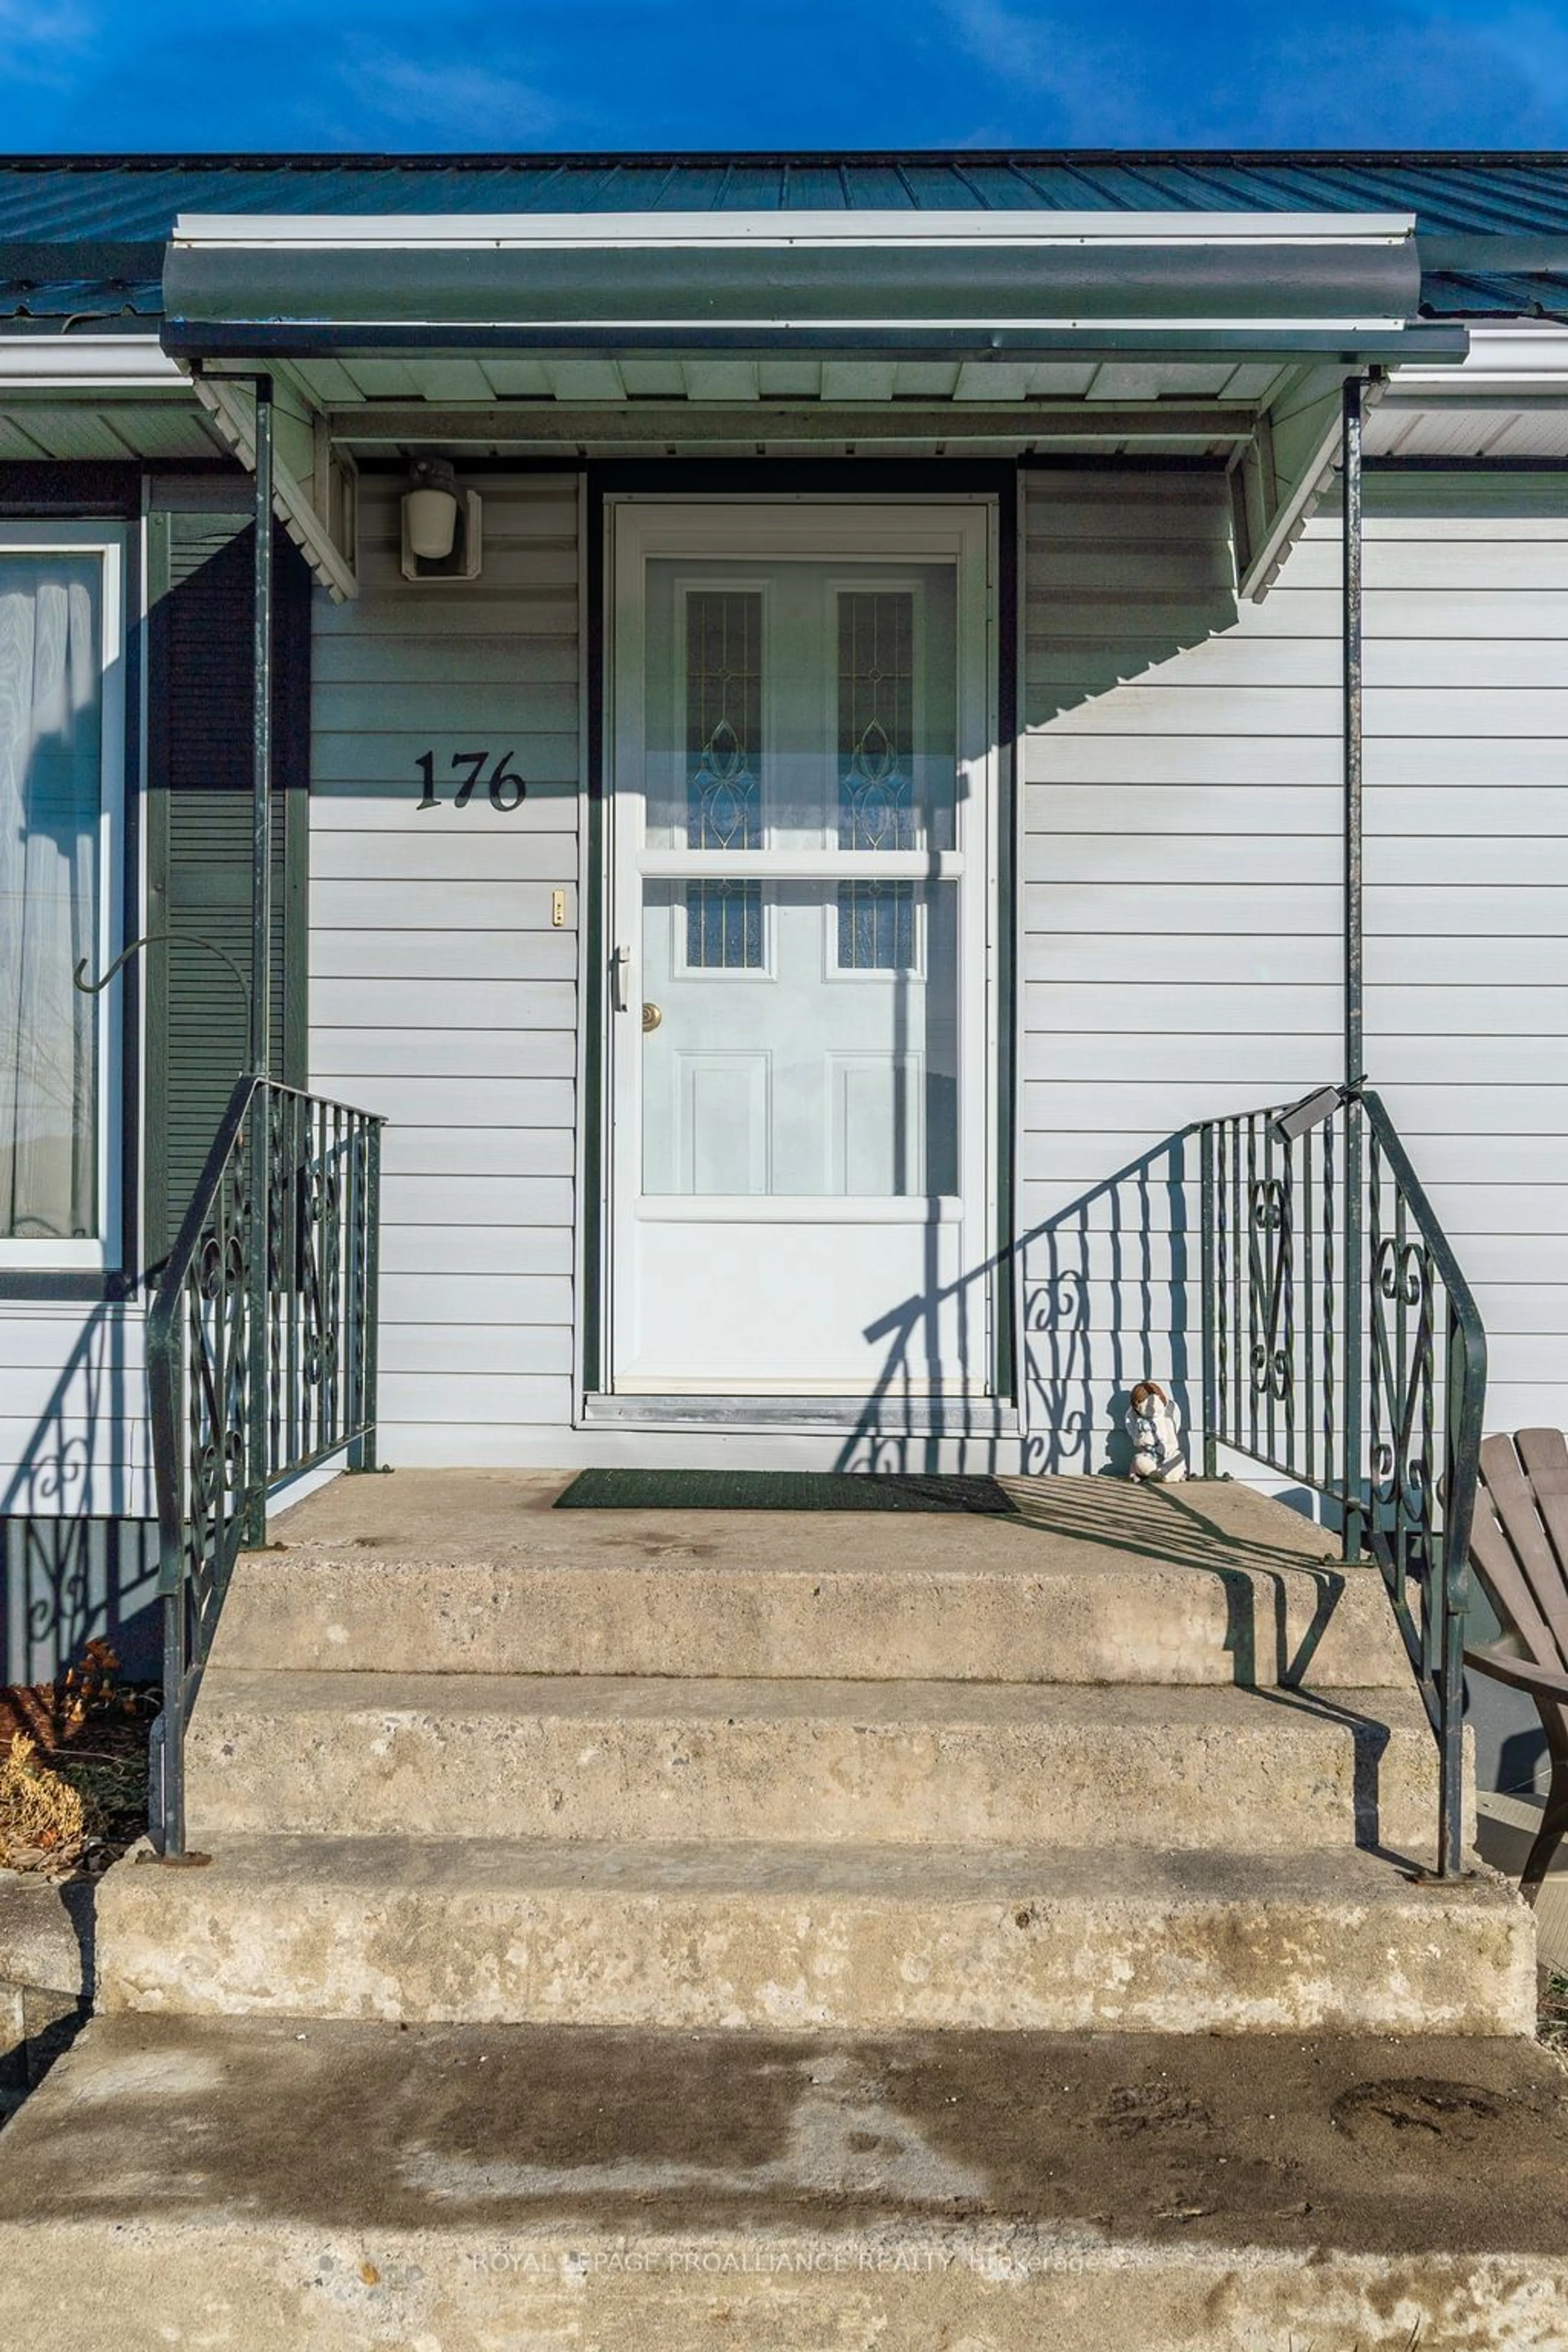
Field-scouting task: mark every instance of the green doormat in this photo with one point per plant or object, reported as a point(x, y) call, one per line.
point(776, 1490)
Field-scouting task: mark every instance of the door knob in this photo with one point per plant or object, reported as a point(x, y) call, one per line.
point(651, 1016)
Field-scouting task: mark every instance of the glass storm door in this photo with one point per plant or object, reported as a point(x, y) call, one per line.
point(798, 943)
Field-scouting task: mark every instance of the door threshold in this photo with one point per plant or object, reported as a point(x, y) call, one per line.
point(954, 1416)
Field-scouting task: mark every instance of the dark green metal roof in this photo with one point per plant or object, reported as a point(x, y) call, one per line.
point(83, 237)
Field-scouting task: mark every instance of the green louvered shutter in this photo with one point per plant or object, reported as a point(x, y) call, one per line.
point(201, 599)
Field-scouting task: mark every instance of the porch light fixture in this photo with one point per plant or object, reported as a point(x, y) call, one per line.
point(1313, 1110)
point(442, 533)
point(430, 509)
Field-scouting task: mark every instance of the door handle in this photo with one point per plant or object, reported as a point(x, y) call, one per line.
point(620, 976)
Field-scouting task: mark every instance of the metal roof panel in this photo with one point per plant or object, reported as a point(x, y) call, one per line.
point(79, 200)
point(131, 196)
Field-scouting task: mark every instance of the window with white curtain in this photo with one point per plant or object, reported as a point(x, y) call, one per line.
point(61, 706)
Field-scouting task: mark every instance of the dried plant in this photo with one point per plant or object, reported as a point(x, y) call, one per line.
point(90, 1686)
point(42, 1820)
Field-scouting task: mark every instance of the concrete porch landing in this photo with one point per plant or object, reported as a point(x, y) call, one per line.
point(1086, 1579)
point(236, 2184)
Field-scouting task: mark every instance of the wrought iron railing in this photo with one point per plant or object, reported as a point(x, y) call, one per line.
point(261, 1344)
point(1342, 1349)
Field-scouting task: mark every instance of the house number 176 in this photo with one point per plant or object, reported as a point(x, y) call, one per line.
point(506, 787)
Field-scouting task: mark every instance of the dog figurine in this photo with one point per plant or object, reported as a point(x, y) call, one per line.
point(1153, 1424)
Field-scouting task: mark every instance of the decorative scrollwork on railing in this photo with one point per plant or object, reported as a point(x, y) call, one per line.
point(1343, 1349)
point(1401, 1392)
point(215, 1325)
point(1402, 1271)
point(262, 1355)
point(1271, 1297)
point(320, 1210)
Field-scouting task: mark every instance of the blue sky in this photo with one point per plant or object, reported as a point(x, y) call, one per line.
point(185, 75)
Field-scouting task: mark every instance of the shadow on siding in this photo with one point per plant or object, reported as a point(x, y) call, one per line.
point(73, 1569)
point(1103, 1290)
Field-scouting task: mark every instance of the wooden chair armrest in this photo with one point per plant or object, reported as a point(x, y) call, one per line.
point(1520, 1673)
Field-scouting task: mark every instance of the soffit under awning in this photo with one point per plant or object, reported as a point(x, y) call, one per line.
point(98, 399)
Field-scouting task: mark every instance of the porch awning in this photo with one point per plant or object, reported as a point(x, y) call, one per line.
point(1228, 333)
point(1337, 286)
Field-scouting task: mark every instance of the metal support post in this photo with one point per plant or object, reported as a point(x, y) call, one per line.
point(1208, 1145)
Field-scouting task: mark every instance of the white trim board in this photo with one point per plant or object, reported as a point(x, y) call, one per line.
point(107, 542)
point(464, 232)
point(95, 362)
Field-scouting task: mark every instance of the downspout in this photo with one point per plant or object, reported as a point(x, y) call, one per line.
point(259, 1186)
point(1355, 1069)
point(261, 740)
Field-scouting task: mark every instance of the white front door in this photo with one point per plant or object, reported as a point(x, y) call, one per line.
point(799, 941)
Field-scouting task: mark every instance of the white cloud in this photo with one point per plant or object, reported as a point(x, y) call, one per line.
point(1041, 57)
point(45, 44)
point(1460, 72)
point(1534, 41)
point(468, 105)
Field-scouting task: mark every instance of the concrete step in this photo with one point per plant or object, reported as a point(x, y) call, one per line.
point(863, 1940)
point(602, 1757)
point(1089, 1580)
point(260, 2186)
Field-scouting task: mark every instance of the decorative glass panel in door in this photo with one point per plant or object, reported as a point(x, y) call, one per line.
point(798, 1148)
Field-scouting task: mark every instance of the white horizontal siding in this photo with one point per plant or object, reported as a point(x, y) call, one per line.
point(1181, 912)
point(1526, 662)
point(428, 955)
point(549, 808)
point(442, 993)
point(345, 1061)
point(1148, 818)
point(1424, 763)
point(459, 905)
point(499, 659)
point(73, 1413)
point(489, 1247)
point(364, 762)
point(1182, 901)
point(1467, 1040)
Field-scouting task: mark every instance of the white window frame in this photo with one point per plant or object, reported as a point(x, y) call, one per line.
point(107, 540)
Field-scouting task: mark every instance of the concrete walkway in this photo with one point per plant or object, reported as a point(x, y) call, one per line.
point(244, 2185)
